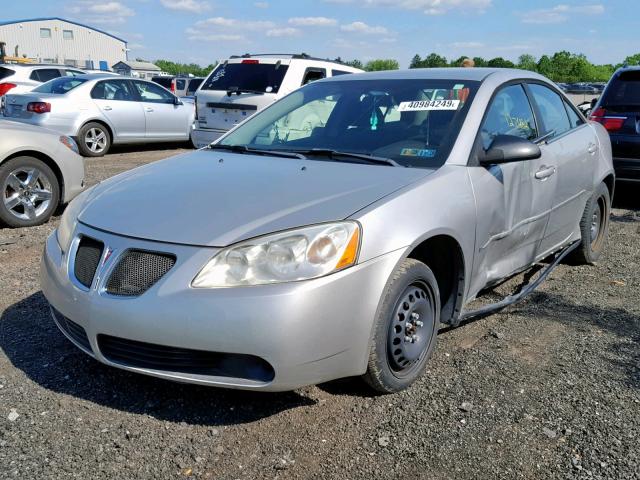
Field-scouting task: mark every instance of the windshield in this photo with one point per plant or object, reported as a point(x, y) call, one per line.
point(256, 77)
point(413, 122)
point(624, 90)
point(60, 85)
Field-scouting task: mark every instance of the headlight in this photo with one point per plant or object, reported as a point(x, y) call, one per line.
point(300, 254)
point(69, 218)
point(70, 143)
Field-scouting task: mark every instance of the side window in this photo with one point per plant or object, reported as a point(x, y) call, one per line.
point(302, 122)
point(150, 92)
point(509, 114)
point(313, 74)
point(193, 85)
point(119, 90)
point(181, 84)
point(44, 74)
point(574, 118)
point(554, 116)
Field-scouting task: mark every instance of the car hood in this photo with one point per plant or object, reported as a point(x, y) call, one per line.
point(213, 198)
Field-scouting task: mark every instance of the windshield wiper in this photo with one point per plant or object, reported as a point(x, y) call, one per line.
point(364, 157)
point(238, 91)
point(257, 151)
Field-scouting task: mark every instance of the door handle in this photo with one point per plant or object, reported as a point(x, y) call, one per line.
point(148, 109)
point(107, 107)
point(545, 172)
point(592, 148)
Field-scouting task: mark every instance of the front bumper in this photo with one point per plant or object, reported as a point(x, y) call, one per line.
point(308, 332)
point(202, 137)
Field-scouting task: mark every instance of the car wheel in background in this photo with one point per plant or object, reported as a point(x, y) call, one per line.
point(30, 192)
point(406, 328)
point(94, 140)
point(594, 227)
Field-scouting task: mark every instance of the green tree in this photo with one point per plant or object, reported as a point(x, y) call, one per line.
point(632, 60)
point(433, 60)
point(416, 62)
point(184, 69)
point(381, 64)
point(500, 62)
point(355, 64)
point(479, 61)
point(458, 61)
point(527, 62)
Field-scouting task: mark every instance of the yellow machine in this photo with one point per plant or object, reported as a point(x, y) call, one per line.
point(4, 58)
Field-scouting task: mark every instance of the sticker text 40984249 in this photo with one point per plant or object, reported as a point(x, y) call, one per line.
point(420, 105)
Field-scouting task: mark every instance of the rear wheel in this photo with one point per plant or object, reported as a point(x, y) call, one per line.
point(406, 328)
point(594, 227)
point(30, 192)
point(94, 140)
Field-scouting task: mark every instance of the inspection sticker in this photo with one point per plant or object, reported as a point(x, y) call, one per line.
point(419, 105)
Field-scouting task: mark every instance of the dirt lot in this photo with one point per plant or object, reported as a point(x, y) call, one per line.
point(547, 389)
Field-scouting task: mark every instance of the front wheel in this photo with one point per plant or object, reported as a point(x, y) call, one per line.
point(406, 328)
point(30, 192)
point(594, 227)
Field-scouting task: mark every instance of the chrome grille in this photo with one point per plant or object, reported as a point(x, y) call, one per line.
point(137, 271)
point(87, 260)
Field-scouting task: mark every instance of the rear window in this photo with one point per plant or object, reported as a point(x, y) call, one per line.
point(60, 85)
point(246, 77)
point(164, 81)
point(624, 90)
point(44, 74)
point(6, 72)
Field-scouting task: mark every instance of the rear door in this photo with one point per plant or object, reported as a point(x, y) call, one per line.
point(514, 199)
point(117, 101)
point(165, 118)
point(572, 145)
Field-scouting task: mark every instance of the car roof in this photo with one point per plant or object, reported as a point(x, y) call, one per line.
point(455, 73)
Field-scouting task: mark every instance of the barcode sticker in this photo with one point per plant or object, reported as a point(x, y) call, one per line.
point(419, 105)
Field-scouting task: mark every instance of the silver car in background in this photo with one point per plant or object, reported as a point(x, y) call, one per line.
point(39, 171)
point(101, 110)
point(333, 232)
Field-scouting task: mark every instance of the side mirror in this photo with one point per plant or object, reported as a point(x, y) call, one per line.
point(593, 102)
point(507, 149)
point(177, 101)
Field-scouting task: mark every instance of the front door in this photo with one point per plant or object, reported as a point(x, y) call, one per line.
point(165, 119)
point(118, 104)
point(513, 199)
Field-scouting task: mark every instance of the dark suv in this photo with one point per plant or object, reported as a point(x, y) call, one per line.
point(618, 109)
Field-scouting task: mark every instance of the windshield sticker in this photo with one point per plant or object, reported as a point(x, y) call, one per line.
point(418, 152)
point(421, 105)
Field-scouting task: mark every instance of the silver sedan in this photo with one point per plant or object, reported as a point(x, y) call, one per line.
point(39, 171)
point(101, 110)
point(332, 233)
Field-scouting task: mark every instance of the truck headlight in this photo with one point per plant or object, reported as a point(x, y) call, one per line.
point(293, 255)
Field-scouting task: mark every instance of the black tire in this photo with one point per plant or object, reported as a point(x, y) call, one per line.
point(394, 361)
point(23, 202)
point(594, 227)
point(94, 140)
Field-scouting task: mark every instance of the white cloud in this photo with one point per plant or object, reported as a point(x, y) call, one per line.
point(467, 45)
point(234, 23)
point(560, 13)
point(361, 27)
point(221, 29)
point(261, 4)
point(313, 21)
point(198, 35)
point(283, 32)
point(428, 7)
point(108, 13)
point(192, 6)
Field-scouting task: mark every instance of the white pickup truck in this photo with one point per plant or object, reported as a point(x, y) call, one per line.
point(240, 86)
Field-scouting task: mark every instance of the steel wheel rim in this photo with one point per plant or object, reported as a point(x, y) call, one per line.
point(27, 193)
point(96, 140)
point(411, 329)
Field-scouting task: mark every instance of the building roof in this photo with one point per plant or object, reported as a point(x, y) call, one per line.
point(44, 19)
point(133, 65)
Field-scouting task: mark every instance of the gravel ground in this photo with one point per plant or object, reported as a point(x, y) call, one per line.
point(547, 389)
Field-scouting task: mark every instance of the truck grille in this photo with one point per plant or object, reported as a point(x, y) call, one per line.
point(87, 260)
point(137, 271)
point(182, 360)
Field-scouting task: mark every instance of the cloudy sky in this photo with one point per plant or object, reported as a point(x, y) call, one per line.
point(201, 31)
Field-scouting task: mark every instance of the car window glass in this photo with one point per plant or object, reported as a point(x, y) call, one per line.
point(623, 92)
point(336, 73)
point(73, 73)
point(112, 90)
point(249, 75)
point(60, 85)
point(509, 114)
point(574, 118)
point(312, 75)
point(45, 74)
point(553, 114)
point(181, 84)
point(193, 85)
point(150, 92)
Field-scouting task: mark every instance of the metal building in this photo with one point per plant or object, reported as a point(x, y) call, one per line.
point(60, 41)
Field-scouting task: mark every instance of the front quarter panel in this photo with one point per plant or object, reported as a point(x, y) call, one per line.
point(440, 204)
